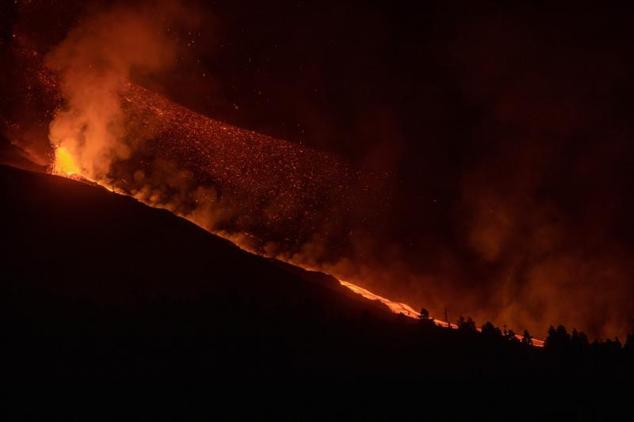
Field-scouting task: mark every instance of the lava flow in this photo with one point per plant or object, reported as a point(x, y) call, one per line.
point(240, 185)
point(271, 197)
point(249, 168)
point(65, 164)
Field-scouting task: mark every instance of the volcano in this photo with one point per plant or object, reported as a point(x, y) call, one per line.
point(319, 194)
point(99, 286)
point(85, 266)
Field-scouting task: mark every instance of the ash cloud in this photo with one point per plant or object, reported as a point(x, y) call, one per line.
point(503, 133)
point(284, 197)
point(94, 64)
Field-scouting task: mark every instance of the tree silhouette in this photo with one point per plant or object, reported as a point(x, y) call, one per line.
point(558, 339)
point(424, 314)
point(491, 331)
point(425, 319)
point(607, 349)
point(527, 339)
point(466, 325)
point(510, 335)
point(579, 341)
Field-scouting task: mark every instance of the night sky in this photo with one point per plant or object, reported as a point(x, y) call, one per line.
point(503, 132)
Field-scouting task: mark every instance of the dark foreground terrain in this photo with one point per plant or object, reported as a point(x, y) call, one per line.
point(98, 287)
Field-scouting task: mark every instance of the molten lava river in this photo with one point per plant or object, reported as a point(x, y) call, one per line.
point(270, 197)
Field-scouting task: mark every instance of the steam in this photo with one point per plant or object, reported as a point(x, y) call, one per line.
point(536, 252)
point(94, 64)
point(270, 195)
point(513, 255)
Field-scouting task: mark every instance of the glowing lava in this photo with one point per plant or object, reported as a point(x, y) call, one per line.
point(396, 307)
point(65, 164)
point(284, 193)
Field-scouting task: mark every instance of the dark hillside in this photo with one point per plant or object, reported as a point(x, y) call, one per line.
point(99, 286)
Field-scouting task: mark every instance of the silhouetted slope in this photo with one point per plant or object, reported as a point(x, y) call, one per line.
point(82, 263)
point(98, 285)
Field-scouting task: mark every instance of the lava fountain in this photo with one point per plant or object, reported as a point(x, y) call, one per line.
point(263, 187)
point(229, 172)
point(271, 197)
point(64, 164)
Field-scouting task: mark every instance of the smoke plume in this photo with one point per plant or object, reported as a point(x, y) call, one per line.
point(94, 64)
point(470, 158)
